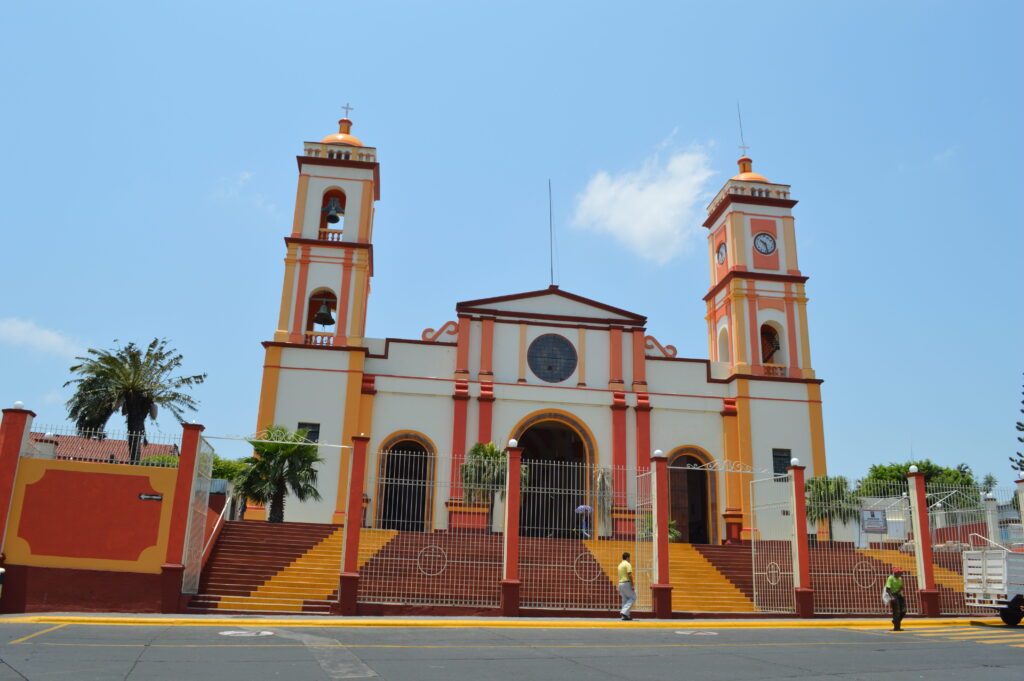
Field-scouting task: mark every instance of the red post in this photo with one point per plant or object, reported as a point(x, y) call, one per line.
point(923, 545)
point(802, 590)
point(172, 570)
point(510, 573)
point(661, 590)
point(13, 432)
point(348, 585)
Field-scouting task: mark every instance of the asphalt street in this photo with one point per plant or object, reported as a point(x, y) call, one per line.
point(152, 652)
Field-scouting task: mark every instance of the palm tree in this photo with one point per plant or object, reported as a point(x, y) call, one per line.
point(284, 462)
point(831, 499)
point(483, 476)
point(132, 380)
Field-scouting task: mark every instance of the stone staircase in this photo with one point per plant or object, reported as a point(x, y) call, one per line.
point(700, 585)
point(281, 567)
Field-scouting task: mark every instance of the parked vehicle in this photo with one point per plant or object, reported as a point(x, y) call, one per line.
point(994, 578)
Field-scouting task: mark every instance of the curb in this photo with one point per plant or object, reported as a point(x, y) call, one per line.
point(489, 623)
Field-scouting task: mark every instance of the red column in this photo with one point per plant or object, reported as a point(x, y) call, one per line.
point(661, 590)
point(619, 408)
point(13, 430)
point(348, 587)
point(510, 573)
point(802, 590)
point(923, 544)
point(172, 570)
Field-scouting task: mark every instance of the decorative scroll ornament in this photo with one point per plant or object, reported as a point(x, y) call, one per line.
point(724, 467)
point(450, 328)
point(650, 343)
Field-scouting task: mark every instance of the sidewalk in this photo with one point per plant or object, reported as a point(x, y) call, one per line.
point(115, 619)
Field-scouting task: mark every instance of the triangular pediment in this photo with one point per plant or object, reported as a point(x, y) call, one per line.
point(551, 303)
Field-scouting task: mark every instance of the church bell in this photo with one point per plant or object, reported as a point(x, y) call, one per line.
point(333, 210)
point(323, 315)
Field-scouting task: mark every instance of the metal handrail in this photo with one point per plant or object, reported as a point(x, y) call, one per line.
point(987, 540)
point(220, 519)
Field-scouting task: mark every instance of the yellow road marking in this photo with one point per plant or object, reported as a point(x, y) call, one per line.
point(25, 638)
point(333, 622)
point(631, 646)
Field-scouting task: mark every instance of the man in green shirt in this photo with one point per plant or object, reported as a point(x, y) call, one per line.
point(898, 604)
point(626, 590)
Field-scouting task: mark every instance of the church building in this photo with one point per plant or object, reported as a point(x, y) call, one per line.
point(570, 378)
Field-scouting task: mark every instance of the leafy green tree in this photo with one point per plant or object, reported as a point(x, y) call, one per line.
point(283, 462)
point(132, 380)
point(483, 476)
point(226, 469)
point(933, 473)
point(830, 499)
point(1017, 462)
point(162, 460)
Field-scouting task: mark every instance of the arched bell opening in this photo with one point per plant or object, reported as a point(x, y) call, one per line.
point(772, 348)
point(723, 345)
point(322, 313)
point(332, 215)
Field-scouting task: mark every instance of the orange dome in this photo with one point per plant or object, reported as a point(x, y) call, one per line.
point(343, 136)
point(746, 173)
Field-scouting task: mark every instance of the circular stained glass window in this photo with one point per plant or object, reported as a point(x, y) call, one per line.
point(552, 358)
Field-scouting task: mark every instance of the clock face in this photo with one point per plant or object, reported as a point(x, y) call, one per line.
point(721, 253)
point(764, 243)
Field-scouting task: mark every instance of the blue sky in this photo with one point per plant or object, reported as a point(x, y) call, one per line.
point(147, 177)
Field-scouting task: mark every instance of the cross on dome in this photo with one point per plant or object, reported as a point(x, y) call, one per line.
point(347, 108)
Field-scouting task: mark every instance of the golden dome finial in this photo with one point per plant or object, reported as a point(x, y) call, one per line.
point(344, 134)
point(747, 173)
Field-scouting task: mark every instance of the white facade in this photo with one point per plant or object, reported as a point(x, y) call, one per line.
point(622, 393)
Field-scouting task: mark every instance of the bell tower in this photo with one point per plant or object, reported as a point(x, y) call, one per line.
point(329, 259)
point(756, 307)
point(313, 366)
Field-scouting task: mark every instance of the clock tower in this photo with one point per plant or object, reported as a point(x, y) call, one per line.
point(757, 307)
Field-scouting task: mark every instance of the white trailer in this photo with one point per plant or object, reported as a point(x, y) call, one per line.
point(994, 578)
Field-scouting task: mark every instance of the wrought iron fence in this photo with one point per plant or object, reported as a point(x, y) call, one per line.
point(771, 544)
point(857, 534)
point(429, 540)
point(575, 525)
point(103, 446)
point(962, 517)
point(199, 508)
point(644, 569)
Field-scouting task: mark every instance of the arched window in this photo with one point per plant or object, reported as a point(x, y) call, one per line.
point(332, 215)
point(321, 317)
point(772, 352)
point(723, 345)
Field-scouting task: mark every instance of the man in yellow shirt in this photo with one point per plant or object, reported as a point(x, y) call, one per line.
point(626, 590)
point(894, 587)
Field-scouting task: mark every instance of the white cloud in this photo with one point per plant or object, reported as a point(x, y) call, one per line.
point(651, 211)
point(234, 189)
point(26, 334)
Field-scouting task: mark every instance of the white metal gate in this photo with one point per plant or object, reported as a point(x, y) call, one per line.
point(198, 509)
point(771, 544)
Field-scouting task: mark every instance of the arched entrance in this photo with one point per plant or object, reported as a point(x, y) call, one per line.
point(689, 493)
point(405, 485)
point(554, 458)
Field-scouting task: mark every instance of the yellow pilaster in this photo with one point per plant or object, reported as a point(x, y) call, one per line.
point(360, 282)
point(351, 426)
point(268, 390)
point(790, 234)
point(745, 440)
point(738, 310)
point(738, 239)
point(300, 205)
point(287, 292)
point(805, 339)
point(817, 428)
